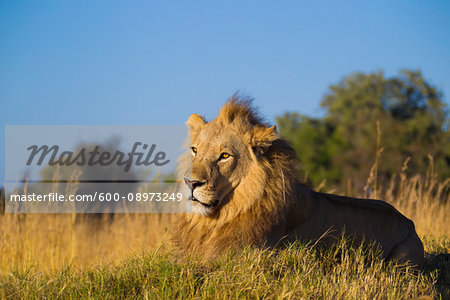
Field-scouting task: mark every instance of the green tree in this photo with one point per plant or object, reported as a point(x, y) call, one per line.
point(413, 120)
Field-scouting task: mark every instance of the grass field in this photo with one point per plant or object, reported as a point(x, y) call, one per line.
point(70, 256)
point(296, 272)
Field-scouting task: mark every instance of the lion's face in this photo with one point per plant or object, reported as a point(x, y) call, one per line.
point(225, 154)
point(220, 159)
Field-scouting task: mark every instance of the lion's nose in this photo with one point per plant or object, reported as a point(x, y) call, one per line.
point(192, 184)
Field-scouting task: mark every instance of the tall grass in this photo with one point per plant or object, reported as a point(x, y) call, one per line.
point(50, 241)
point(68, 255)
point(298, 272)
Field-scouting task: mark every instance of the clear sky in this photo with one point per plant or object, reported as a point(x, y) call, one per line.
point(156, 62)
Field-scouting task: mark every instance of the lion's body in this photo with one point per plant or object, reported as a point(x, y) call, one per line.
point(254, 197)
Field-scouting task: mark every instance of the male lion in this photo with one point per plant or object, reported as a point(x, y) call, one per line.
point(244, 190)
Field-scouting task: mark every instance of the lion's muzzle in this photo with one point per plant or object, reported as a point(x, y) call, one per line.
point(192, 184)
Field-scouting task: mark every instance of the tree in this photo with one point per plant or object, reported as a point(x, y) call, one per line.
point(342, 145)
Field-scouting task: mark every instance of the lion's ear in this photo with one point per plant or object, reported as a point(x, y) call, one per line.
point(195, 122)
point(263, 137)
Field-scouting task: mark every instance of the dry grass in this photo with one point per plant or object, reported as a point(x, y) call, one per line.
point(53, 240)
point(72, 252)
point(50, 241)
point(298, 272)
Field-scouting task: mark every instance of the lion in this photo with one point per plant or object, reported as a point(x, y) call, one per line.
point(243, 188)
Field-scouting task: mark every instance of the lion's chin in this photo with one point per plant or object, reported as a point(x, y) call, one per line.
point(202, 210)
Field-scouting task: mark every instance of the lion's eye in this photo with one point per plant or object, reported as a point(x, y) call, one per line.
point(224, 155)
point(194, 150)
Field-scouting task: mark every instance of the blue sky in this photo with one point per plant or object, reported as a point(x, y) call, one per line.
point(156, 62)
